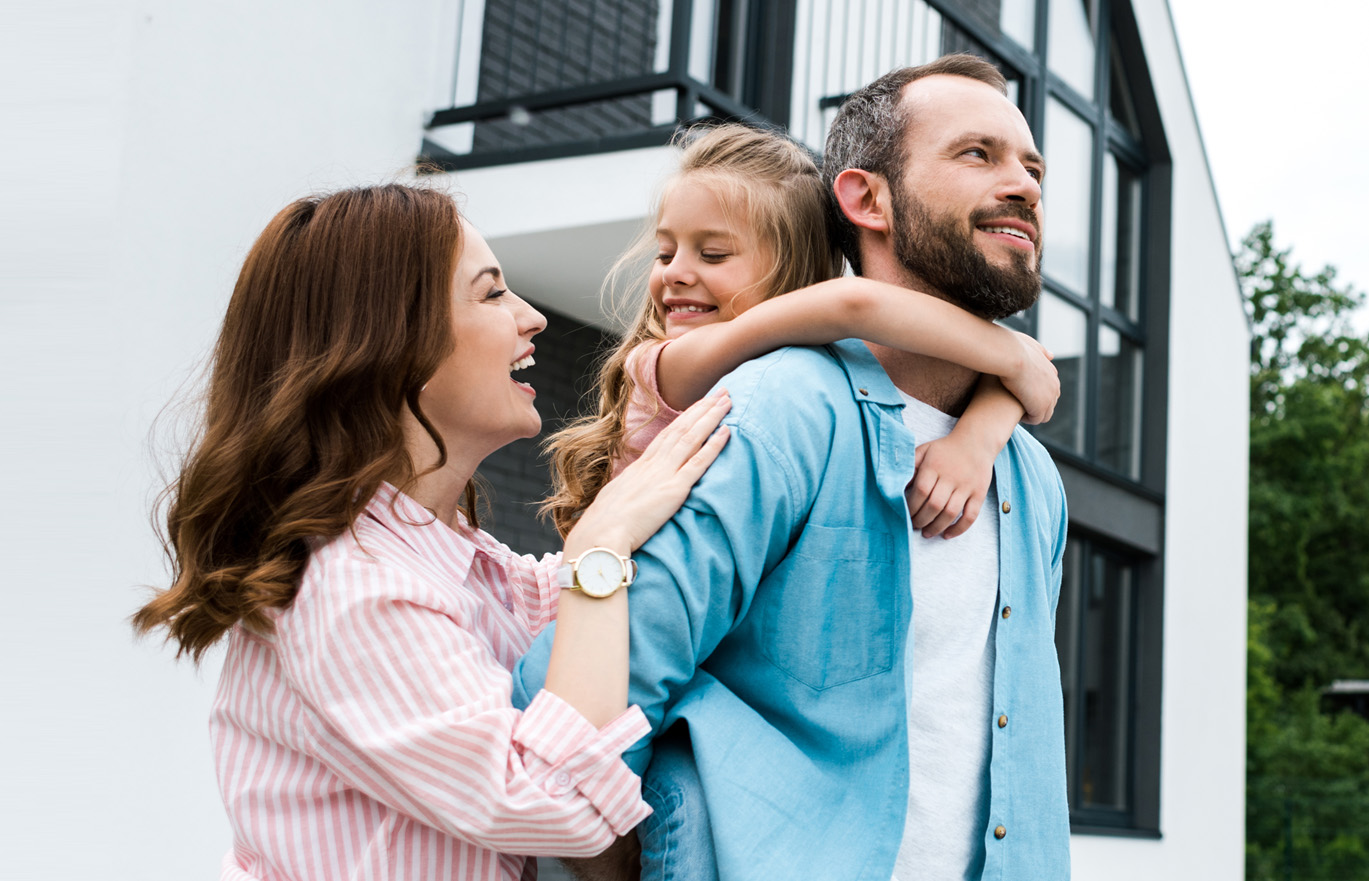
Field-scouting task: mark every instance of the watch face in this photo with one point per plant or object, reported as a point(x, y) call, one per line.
point(599, 573)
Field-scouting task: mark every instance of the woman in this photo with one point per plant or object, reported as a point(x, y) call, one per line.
point(325, 523)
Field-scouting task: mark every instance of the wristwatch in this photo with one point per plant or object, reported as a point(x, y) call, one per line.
point(598, 572)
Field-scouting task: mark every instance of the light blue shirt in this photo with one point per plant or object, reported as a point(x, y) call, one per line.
point(771, 616)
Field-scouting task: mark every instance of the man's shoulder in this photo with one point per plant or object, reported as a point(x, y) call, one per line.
point(775, 383)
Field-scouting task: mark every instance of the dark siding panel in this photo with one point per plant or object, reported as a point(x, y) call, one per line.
point(539, 45)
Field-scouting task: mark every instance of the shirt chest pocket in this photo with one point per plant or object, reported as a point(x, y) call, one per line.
point(828, 609)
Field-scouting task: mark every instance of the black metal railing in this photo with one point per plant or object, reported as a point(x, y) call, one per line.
point(560, 78)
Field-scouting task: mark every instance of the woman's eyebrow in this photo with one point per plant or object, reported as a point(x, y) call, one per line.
point(492, 271)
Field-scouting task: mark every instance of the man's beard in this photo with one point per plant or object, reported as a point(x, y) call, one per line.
point(940, 253)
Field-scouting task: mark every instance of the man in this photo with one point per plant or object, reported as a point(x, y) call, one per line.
point(771, 617)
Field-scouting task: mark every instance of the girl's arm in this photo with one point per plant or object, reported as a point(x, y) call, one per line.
point(953, 473)
point(874, 311)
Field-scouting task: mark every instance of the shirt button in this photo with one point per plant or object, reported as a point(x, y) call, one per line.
point(508, 605)
point(863, 391)
point(1000, 832)
point(1002, 721)
point(563, 779)
point(1007, 611)
point(1007, 507)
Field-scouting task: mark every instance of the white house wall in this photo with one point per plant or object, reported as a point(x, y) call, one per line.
point(147, 144)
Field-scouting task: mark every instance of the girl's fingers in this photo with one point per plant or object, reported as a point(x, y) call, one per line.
point(967, 519)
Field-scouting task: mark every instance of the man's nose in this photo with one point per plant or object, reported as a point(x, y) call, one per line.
point(1021, 186)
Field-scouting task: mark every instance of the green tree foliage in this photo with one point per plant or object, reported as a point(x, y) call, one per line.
point(1307, 771)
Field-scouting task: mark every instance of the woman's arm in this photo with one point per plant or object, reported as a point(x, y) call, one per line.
point(874, 311)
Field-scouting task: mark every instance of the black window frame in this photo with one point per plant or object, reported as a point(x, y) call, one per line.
point(1117, 513)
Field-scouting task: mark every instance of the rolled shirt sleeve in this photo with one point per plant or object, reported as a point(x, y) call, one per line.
point(415, 713)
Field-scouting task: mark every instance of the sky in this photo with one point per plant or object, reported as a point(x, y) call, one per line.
point(1283, 105)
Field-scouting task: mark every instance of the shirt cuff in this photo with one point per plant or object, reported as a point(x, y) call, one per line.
point(562, 751)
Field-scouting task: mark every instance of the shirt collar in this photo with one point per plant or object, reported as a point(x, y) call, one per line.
point(424, 534)
point(868, 380)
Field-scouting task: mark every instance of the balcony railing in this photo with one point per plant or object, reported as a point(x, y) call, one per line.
point(540, 79)
point(558, 78)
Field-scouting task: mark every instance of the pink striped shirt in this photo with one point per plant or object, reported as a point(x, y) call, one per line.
point(372, 736)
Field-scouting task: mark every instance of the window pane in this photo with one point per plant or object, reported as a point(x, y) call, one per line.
point(1015, 18)
point(1062, 328)
point(1121, 105)
point(1120, 284)
point(1070, 46)
point(1106, 667)
point(1069, 158)
point(1067, 647)
point(1119, 402)
point(1018, 18)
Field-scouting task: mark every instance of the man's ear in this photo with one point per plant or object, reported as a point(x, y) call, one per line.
point(864, 198)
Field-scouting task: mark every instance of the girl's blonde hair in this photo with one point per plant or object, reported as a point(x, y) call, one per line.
point(778, 190)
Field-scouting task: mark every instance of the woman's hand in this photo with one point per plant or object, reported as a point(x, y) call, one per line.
point(589, 654)
point(636, 503)
point(1035, 383)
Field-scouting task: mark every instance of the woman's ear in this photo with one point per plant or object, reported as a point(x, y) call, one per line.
point(864, 198)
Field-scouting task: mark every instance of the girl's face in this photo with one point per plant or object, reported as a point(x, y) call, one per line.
point(707, 268)
point(473, 399)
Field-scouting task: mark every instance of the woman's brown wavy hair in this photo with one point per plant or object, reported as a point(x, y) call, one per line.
point(340, 315)
point(775, 187)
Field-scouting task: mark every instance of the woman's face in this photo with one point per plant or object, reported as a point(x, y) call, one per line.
point(473, 400)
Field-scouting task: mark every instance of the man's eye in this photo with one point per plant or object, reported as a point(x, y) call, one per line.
point(976, 152)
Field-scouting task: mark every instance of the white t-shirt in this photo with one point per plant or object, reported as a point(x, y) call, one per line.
point(950, 663)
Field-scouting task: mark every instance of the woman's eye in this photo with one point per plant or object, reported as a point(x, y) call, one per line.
point(664, 257)
point(496, 293)
point(715, 255)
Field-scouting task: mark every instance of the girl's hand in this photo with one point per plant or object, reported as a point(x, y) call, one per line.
point(1035, 383)
point(950, 484)
point(636, 503)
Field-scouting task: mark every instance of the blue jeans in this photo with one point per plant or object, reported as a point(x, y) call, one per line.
point(677, 840)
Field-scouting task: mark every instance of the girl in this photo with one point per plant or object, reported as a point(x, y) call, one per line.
point(741, 222)
point(363, 724)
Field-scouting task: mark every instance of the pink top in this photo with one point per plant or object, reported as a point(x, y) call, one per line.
point(647, 414)
point(372, 735)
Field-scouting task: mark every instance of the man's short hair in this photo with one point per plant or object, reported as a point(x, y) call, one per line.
point(871, 128)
